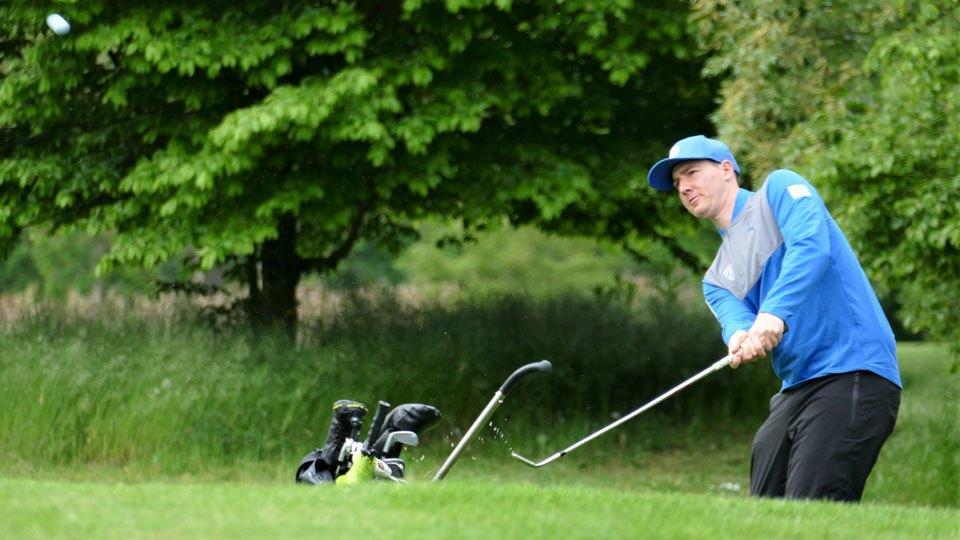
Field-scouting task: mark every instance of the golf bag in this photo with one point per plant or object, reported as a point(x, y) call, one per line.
point(344, 459)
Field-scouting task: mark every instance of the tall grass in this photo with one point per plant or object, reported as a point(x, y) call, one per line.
point(177, 395)
point(607, 353)
point(157, 391)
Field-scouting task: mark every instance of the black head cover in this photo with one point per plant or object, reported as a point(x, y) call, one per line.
point(345, 424)
point(415, 417)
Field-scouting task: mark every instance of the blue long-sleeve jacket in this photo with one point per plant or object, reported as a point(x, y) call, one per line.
point(783, 254)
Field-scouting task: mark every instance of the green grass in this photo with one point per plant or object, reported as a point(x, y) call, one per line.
point(138, 403)
point(920, 463)
point(456, 509)
point(181, 398)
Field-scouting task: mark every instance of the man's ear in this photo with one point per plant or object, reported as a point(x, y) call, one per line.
point(728, 170)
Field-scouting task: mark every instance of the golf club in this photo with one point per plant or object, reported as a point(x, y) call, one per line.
point(406, 438)
point(376, 426)
point(719, 364)
point(543, 366)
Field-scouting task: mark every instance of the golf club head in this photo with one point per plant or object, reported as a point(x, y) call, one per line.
point(406, 438)
point(536, 464)
point(382, 470)
point(396, 466)
point(716, 366)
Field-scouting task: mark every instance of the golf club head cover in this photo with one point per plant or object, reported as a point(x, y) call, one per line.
point(415, 417)
point(347, 420)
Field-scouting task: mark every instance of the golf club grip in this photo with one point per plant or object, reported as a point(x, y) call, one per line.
point(377, 425)
point(543, 366)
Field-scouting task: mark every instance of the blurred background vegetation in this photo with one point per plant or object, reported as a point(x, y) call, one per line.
point(505, 259)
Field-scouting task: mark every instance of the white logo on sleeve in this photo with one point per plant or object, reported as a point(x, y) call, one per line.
point(674, 150)
point(799, 191)
point(728, 273)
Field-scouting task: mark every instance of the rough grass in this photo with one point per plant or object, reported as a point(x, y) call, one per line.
point(179, 396)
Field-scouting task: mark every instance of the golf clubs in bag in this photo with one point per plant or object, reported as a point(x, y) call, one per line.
point(344, 459)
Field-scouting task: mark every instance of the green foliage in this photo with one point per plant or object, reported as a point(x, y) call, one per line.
point(209, 126)
point(508, 260)
point(55, 266)
point(18, 271)
point(367, 265)
point(501, 260)
point(863, 98)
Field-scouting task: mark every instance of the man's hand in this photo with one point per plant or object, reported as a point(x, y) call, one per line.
point(745, 348)
point(768, 329)
point(763, 336)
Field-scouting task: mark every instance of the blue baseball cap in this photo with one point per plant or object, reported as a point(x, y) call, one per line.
point(691, 148)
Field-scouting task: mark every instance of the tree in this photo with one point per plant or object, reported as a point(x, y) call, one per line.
point(273, 136)
point(862, 98)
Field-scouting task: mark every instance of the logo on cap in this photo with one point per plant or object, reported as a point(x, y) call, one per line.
point(674, 150)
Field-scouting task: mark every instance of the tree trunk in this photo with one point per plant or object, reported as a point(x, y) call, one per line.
point(275, 305)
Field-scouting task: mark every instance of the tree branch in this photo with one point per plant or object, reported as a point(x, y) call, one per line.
point(330, 261)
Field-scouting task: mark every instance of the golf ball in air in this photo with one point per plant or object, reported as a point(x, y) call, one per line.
point(58, 24)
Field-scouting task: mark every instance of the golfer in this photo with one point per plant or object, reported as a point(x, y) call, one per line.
point(786, 283)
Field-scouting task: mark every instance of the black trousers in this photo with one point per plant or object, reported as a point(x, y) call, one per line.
point(822, 438)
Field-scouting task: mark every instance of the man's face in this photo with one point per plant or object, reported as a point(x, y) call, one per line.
point(704, 187)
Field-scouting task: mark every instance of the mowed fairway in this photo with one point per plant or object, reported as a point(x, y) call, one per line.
point(464, 509)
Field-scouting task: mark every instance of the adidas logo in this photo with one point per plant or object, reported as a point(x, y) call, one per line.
point(728, 273)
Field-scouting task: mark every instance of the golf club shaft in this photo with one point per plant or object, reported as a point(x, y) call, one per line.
point(477, 424)
point(719, 364)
